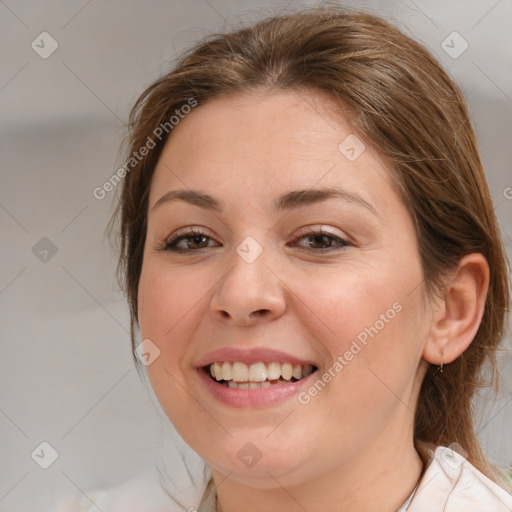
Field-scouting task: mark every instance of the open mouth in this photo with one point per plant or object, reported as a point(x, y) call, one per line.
point(238, 375)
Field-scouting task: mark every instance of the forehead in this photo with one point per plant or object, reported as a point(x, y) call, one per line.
point(266, 144)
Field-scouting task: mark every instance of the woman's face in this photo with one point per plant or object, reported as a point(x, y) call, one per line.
point(307, 302)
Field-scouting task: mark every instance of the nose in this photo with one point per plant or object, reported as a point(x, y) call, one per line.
point(249, 293)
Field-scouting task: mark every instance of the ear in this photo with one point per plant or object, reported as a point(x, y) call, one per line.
point(456, 322)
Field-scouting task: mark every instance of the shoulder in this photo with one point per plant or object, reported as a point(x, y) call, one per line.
point(452, 484)
point(140, 494)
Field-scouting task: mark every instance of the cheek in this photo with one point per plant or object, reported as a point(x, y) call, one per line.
point(350, 303)
point(169, 305)
point(169, 301)
point(371, 320)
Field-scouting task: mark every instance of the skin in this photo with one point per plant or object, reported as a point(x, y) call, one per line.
point(357, 433)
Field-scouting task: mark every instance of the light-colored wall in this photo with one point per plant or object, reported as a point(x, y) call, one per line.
point(66, 371)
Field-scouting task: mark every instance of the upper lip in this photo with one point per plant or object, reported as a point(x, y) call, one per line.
point(250, 356)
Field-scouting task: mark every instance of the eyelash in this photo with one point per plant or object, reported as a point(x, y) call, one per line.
point(169, 245)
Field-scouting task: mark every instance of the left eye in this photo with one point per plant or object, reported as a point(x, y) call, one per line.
point(322, 240)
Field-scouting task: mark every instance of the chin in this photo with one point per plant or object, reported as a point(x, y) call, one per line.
point(256, 462)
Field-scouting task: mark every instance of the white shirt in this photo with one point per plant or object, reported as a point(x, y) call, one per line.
point(449, 484)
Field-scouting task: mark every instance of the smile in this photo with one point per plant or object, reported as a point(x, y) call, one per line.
point(254, 377)
point(239, 375)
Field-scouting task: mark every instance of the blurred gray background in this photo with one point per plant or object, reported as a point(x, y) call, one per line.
point(67, 376)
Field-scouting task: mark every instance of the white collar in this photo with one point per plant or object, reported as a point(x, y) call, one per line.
point(451, 484)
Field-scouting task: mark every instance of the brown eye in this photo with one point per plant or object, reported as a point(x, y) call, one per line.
point(192, 242)
point(321, 241)
point(187, 241)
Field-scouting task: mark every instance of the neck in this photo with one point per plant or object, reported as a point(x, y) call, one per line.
point(383, 475)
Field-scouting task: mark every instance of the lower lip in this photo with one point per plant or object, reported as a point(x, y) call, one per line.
point(251, 397)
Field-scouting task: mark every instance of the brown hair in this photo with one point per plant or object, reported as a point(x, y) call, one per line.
point(407, 107)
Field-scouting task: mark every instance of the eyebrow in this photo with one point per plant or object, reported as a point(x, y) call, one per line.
point(288, 201)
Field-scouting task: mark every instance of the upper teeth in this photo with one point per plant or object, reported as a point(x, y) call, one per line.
point(258, 372)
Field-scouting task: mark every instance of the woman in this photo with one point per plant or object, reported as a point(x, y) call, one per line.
point(310, 252)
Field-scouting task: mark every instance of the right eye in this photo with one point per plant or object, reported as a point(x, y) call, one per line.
point(186, 240)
